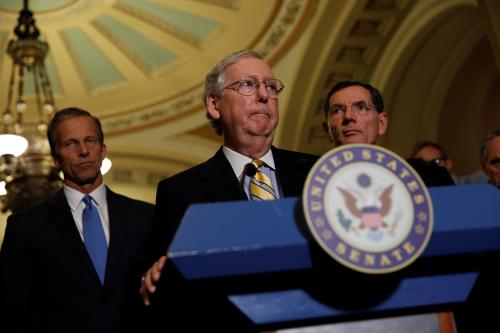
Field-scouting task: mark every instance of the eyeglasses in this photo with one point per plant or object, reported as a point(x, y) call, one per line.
point(437, 160)
point(359, 109)
point(495, 161)
point(249, 85)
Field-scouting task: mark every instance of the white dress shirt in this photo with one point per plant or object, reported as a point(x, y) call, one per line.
point(77, 206)
point(239, 161)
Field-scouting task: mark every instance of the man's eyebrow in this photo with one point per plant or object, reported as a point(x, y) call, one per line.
point(495, 160)
point(69, 140)
point(355, 102)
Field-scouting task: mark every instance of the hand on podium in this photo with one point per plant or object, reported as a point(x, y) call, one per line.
point(150, 279)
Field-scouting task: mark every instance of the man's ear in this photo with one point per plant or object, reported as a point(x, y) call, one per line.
point(104, 151)
point(448, 163)
point(212, 107)
point(328, 131)
point(55, 160)
point(383, 121)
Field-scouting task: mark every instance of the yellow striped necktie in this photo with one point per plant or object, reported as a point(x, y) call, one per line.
point(261, 186)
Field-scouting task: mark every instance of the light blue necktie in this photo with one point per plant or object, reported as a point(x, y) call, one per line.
point(94, 238)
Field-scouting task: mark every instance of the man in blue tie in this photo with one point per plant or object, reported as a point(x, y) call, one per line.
point(74, 262)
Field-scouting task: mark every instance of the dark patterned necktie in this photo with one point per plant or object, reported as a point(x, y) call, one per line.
point(261, 186)
point(94, 238)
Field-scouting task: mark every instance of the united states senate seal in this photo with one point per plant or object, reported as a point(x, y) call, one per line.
point(368, 208)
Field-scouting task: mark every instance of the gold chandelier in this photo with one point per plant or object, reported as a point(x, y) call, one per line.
point(27, 175)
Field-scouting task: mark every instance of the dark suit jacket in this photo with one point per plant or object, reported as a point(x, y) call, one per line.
point(215, 181)
point(47, 280)
point(212, 181)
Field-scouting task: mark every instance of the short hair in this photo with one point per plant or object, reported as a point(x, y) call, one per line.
point(215, 81)
point(483, 150)
point(377, 99)
point(65, 114)
point(422, 144)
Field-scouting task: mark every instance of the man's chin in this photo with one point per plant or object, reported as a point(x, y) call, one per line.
point(263, 130)
point(352, 140)
point(83, 180)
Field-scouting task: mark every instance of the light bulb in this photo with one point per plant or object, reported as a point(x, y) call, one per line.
point(3, 190)
point(12, 144)
point(105, 166)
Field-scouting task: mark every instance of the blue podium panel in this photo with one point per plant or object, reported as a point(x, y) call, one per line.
point(244, 238)
point(239, 238)
point(297, 305)
point(466, 220)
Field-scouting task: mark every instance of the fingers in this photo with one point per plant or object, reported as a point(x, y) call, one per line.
point(143, 292)
point(161, 262)
point(150, 280)
point(154, 274)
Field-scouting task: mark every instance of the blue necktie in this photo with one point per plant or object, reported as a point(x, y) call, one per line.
point(93, 237)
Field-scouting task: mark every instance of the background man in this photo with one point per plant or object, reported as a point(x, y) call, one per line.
point(478, 314)
point(73, 263)
point(354, 113)
point(241, 98)
point(490, 157)
point(432, 152)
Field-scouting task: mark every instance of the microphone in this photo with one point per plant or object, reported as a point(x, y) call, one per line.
point(250, 170)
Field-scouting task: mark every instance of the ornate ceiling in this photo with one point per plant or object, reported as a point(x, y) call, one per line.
point(139, 65)
point(135, 63)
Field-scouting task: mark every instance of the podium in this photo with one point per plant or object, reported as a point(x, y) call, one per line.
point(261, 256)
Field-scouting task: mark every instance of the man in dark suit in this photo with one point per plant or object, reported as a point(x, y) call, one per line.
point(51, 277)
point(354, 113)
point(241, 98)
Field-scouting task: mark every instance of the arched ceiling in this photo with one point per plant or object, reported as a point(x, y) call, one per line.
point(424, 56)
point(140, 65)
point(135, 63)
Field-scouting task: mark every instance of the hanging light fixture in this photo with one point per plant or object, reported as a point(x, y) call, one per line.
point(27, 174)
point(26, 168)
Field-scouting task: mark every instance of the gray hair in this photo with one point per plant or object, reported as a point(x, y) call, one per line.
point(215, 81)
point(483, 150)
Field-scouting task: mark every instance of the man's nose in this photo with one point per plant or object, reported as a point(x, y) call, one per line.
point(349, 113)
point(262, 92)
point(348, 116)
point(83, 150)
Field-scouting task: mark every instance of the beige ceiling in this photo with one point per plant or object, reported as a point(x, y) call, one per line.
point(140, 65)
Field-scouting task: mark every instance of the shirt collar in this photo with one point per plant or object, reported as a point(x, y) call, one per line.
point(239, 161)
point(74, 197)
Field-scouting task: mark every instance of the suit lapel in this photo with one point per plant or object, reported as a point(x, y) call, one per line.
point(221, 184)
point(284, 172)
point(117, 221)
point(63, 220)
point(292, 169)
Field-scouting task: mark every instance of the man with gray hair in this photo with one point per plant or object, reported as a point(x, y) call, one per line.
point(490, 157)
point(241, 99)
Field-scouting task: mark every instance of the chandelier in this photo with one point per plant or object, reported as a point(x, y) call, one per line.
point(27, 175)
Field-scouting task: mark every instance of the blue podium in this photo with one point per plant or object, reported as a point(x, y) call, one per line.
point(281, 278)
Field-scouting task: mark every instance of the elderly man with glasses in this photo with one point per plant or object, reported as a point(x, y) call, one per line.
point(241, 99)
